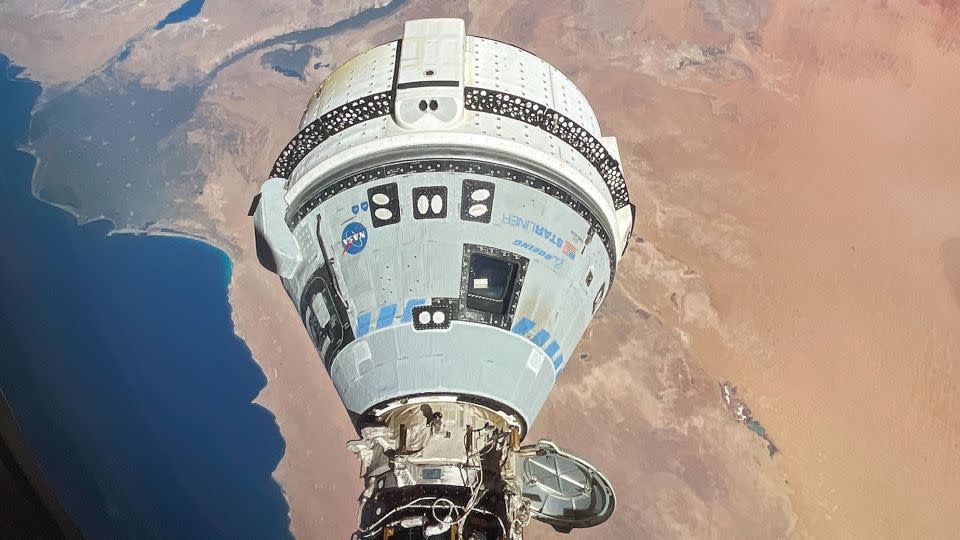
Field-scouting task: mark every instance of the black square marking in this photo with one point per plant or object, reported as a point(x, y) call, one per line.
point(476, 200)
point(384, 205)
point(430, 202)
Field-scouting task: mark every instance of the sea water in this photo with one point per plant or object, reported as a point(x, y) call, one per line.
point(119, 360)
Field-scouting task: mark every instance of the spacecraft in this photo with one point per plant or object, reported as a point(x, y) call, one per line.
point(447, 222)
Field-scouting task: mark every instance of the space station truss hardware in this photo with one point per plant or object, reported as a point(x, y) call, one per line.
point(447, 221)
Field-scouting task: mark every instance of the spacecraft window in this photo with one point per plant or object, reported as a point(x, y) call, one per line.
point(490, 283)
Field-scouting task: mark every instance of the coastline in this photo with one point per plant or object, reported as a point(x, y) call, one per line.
point(228, 252)
point(39, 216)
point(158, 229)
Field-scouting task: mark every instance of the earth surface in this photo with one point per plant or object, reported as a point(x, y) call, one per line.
point(796, 168)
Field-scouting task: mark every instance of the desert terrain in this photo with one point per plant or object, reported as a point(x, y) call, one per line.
point(795, 167)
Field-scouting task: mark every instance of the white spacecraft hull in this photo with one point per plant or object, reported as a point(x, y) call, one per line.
point(447, 222)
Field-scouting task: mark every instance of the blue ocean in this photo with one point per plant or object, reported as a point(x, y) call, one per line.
point(118, 357)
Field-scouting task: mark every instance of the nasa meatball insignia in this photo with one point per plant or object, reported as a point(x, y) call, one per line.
point(354, 238)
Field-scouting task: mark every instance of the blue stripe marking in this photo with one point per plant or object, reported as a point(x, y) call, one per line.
point(541, 338)
point(557, 362)
point(385, 318)
point(408, 309)
point(523, 326)
point(363, 323)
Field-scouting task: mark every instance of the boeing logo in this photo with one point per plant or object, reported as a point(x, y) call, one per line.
point(529, 225)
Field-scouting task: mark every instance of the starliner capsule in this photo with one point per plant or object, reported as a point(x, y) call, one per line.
point(446, 222)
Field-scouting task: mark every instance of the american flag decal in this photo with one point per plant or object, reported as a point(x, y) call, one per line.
point(569, 250)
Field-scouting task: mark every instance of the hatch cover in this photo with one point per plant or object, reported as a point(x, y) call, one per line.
point(564, 490)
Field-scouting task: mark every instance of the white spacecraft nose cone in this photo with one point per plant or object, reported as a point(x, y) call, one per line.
point(477, 210)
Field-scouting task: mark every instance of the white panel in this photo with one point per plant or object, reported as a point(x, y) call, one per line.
point(570, 101)
point(368, 131)
point(368, 73)
point(507, 68)
point(432, 50)
point(270, 226)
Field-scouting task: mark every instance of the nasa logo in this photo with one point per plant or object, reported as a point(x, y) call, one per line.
point(354, 238)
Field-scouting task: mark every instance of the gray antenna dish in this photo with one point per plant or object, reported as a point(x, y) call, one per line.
point(565, 491)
